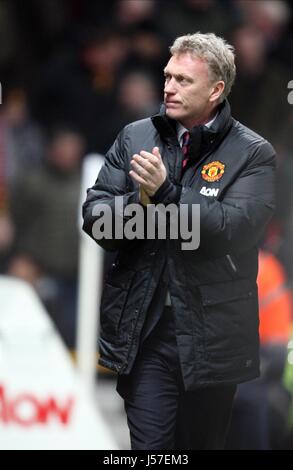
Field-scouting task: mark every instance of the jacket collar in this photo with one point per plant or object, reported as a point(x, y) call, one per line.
point(203, 139)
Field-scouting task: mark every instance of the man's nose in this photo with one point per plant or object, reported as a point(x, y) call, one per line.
point(170, 86)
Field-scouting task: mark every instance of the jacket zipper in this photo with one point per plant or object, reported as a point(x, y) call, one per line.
point(232, 264)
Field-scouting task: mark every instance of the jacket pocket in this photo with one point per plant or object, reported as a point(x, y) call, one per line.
point(222, 292)
point(113, 302)
point(230, 316)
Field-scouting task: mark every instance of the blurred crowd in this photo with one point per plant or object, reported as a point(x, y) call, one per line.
point(72, 74)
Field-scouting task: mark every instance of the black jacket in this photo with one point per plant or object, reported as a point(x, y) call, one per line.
point(213, 289)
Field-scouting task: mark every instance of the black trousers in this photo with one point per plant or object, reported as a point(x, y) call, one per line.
point(161, 415)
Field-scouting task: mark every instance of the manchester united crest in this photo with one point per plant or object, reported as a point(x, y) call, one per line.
point(213, 171)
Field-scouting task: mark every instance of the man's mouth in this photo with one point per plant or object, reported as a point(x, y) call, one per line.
point(172, 103)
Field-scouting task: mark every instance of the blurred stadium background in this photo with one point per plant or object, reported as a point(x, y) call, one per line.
point(72, 74)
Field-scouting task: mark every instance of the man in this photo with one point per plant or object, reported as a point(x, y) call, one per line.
point(181, 327)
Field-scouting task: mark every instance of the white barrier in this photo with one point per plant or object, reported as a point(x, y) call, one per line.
point(43, 402)
point(89, 285)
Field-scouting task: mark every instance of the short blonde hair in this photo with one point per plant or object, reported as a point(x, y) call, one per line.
point(218, 54)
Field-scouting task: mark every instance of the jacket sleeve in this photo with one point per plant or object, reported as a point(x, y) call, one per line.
point(236, 223)
point(110, 190)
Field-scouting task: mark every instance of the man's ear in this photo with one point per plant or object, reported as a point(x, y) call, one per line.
point(217, 90)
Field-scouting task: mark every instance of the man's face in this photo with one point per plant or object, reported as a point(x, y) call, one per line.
point(187, 89)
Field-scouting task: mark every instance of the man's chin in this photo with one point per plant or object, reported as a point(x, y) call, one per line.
point(172, 113)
